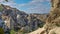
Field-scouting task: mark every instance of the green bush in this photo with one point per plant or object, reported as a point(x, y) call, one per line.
point(1, 8)
point(41, 24)
point(1, 31)
point(21, 32)
point(12, 32)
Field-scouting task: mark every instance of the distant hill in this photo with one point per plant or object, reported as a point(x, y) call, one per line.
point(19, 20)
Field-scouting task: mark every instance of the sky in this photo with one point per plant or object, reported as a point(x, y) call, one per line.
point(29, 6)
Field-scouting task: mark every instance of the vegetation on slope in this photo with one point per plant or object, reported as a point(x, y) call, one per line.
point(1, 8)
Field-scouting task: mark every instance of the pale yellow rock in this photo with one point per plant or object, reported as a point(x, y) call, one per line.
point(55, 30)
point(38, 31)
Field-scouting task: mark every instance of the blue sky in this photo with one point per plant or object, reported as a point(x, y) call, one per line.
point(30, 6)
point(22, 1)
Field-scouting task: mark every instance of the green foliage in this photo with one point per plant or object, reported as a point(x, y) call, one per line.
point(12, 32)
point(1, 31)
point(41, 24)
point(58, 24)
point(21, 32)
point(1, 8)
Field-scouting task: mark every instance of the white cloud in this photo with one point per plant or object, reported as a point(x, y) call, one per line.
point(34, 6)
point(1, 1)
point(37, 6)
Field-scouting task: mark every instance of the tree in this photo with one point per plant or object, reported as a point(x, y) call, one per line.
point(12, 32)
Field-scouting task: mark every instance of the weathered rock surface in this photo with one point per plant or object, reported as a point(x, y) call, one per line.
point(19, 20)
point(53, 20)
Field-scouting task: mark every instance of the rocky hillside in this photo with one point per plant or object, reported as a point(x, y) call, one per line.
point(19, 20)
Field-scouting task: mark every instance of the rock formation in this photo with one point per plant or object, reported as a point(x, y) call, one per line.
point(19, 20)
point(54, 16)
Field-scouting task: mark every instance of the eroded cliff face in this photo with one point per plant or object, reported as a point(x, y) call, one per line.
point(29, 22)
point(53, 20)
point(55, 12)
point(19, 20)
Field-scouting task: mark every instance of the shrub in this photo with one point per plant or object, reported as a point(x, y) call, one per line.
point(1, 8)
point(12, 32)
point(1, 31)
point(21, 32)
